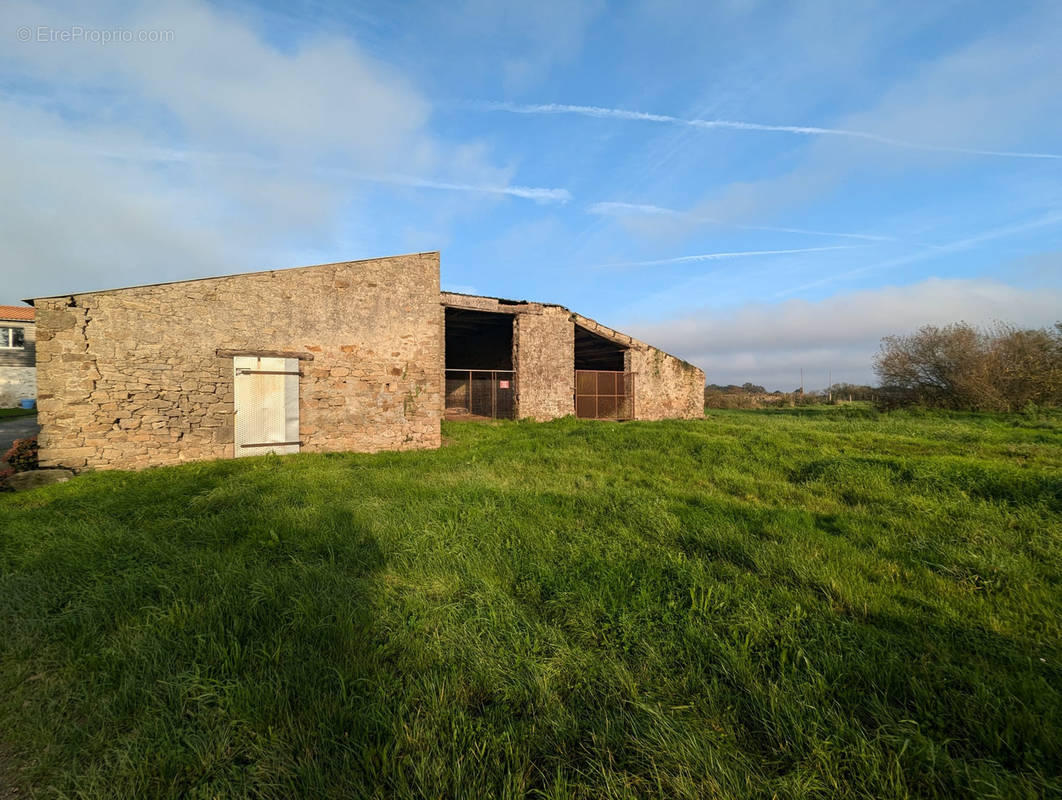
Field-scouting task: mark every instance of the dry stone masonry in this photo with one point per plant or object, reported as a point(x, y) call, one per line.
point(142, 376)
point(544, 352)
point(544, 347)
point(665, 387)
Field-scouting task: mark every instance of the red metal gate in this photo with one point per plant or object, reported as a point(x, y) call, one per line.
point(604, 394)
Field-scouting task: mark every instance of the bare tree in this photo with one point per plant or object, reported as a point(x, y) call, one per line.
point(960, 366)
point(1027, 365)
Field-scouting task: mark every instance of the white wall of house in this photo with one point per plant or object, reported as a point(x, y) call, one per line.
point(17, 383)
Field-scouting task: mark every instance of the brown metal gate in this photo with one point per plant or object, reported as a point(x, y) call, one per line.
point(604, 394)
point(480, 393)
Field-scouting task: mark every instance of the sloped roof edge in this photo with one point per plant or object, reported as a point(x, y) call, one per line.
point(30, 300)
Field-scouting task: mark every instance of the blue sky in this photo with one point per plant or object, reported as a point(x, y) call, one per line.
point(758, 187)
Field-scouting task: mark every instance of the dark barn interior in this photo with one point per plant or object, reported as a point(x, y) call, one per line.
point(478, 340)
point(479, 364)
point(597, 352)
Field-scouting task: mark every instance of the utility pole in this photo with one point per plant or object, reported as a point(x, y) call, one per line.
point(829, 386)
point(802, 380)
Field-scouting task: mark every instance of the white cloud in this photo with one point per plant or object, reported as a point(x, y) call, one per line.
point(770, 343)
point(993, 99)
point(990, 95)
point(214, 151)
point(218, 80)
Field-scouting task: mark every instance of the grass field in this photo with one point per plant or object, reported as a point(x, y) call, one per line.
point(6, 413)
point(802, 603)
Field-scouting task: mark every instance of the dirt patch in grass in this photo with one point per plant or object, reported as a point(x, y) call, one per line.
point(12, 779)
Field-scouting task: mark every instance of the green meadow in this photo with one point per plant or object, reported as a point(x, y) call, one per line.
point(820, 603)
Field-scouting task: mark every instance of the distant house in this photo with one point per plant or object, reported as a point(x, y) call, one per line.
point(18, 367)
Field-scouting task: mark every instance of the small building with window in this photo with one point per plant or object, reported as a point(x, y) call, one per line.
point(18, 370)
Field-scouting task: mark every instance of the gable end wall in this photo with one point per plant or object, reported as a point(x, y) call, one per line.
point(665, 387)
point(132, 377)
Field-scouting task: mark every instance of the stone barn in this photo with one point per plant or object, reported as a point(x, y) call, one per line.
point(360, 355)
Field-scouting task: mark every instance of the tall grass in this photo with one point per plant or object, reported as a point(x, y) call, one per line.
point(789, 603)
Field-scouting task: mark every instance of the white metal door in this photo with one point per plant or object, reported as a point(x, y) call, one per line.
point(266, 394)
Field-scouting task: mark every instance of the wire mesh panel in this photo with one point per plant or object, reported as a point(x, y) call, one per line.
point(457, 391)
point(604, 394)
point(480, 393)
point(504, 396)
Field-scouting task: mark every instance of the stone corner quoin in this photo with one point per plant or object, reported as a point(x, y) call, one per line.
point(144, 376)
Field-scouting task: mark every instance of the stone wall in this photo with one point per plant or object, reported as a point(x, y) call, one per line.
point(544, 355)
point(143, 376)
point(665, 387)
point(15, 384)
point(136, 377)
point(544, 359)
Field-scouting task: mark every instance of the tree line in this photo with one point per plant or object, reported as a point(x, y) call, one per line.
point(958, 366)
point(752, 395)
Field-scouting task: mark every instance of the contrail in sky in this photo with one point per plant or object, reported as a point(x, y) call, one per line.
point(799, 130)
point(246, 161)
point(610, 209)
point(1051, 218)
point(721, 256)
